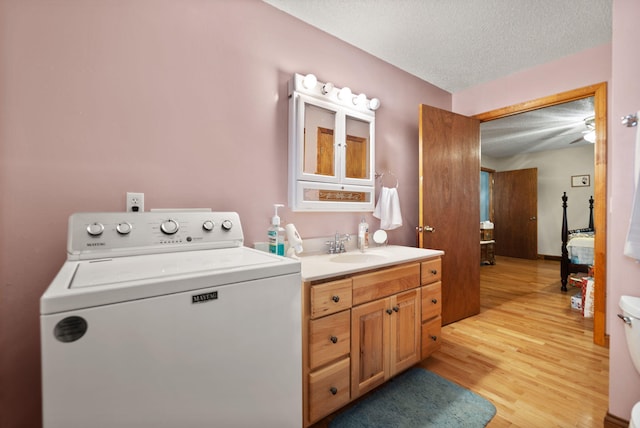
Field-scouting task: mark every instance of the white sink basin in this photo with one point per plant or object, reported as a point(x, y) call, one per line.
point(357, 258)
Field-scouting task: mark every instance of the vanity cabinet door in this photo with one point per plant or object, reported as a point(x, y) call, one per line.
point(405, 331)
point(369, 346)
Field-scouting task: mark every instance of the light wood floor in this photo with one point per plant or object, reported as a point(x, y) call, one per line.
point(527, 351)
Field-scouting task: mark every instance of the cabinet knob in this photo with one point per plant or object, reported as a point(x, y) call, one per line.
point(333, 390)
point(335, 298)
point(389, 311)
point(434, 301)
point(333, 339)
point(396, 308)
point(434, 271)
point(434, 338)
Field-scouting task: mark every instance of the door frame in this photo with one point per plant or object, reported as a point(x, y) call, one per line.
point(599, 93)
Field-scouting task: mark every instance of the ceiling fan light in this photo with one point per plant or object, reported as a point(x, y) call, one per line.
point(590, 136)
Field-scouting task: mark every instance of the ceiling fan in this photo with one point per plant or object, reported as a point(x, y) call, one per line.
point(590, 133)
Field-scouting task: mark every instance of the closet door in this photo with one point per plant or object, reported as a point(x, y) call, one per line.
point(516, 211)
point(449, 201)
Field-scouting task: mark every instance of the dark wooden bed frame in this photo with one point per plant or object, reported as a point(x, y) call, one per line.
point(565, 264)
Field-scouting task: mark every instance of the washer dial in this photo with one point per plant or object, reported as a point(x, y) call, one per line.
point(124, 228)
point(95, 229)
point(169, 227)
point(208, 225)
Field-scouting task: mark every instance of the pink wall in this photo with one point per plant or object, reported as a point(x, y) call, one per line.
point(182, 100)
point(617, 65)
point(623, 273)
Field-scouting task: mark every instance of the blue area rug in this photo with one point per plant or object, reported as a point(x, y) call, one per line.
point(418, 398)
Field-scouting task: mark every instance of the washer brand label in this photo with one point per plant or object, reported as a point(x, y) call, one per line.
point(96, 244)
point(204, 297)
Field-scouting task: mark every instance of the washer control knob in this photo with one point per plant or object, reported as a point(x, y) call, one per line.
point(124, 228)
point(227, 225)
point(208, 225)
point(169, 227)
point(95, 229)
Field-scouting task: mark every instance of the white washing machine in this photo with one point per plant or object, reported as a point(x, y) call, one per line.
point(165, 319)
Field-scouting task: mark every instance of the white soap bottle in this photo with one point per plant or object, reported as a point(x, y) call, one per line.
point(363, 235)
point(276, 234)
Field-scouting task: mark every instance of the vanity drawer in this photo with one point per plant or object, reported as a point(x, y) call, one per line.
point(330, 297)
point(328, 389)
point(431, 336)
point(431, 271)
point(383, 283)
point(329, 338)
point(431, 300)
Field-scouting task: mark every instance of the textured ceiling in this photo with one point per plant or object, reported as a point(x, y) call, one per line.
point(455, 44)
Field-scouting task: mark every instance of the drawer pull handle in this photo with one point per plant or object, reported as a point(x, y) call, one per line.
point(434, 338)
point(333, 390)
point(336, 299)
point(389, 311)
point(396, 308)
point(333, 339)
point(434, 271)
point(434, 301)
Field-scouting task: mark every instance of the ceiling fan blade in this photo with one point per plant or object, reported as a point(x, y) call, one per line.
point(577, 140)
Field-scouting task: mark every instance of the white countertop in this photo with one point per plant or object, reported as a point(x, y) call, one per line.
point(322, 266)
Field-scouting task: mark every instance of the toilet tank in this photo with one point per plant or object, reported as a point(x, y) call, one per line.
point(631, 316)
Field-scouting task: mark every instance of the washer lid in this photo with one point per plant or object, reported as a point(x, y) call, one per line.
point(115, 271)
point(91, 283)
point(630, 305)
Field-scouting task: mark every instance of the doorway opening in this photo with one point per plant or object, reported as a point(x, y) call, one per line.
point(599, 92)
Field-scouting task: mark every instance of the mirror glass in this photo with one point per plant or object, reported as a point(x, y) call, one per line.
point(319, 152)
point(357, 149)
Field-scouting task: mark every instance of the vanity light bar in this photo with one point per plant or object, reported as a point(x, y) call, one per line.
point(309, 85)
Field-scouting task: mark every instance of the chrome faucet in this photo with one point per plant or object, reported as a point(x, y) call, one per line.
point(338, 244)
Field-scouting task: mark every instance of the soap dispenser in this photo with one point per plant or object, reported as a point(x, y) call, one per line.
point(276, 233)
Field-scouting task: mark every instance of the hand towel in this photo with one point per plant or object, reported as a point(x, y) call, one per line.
point(388, 209)
point(632, 244)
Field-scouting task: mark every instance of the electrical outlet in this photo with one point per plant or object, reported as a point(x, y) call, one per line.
point(135, 202)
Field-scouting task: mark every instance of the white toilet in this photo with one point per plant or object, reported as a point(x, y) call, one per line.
point(631, 316)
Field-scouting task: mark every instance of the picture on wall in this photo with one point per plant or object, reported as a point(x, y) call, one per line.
point(580, 181)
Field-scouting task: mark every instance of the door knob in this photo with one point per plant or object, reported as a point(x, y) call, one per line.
point(429, 229)
point(532, 218)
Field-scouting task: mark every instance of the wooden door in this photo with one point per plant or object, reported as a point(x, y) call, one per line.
point(516, 213)
point(449, 204)
point(369, 346)
point(405, 331)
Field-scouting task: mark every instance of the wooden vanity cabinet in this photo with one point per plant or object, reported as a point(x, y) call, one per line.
point(362, 329)
point(431, 306)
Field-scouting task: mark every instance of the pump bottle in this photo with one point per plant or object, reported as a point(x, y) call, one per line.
point(276, 234)
point(363, 235)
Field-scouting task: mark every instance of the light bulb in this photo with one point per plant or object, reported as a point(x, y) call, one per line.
point(327, 88)
point(309, 81)
point(374, 104)
point(590, 136)
point(359, 99)
point(344, 93)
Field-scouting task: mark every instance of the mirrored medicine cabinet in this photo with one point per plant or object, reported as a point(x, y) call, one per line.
point(331, 147)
